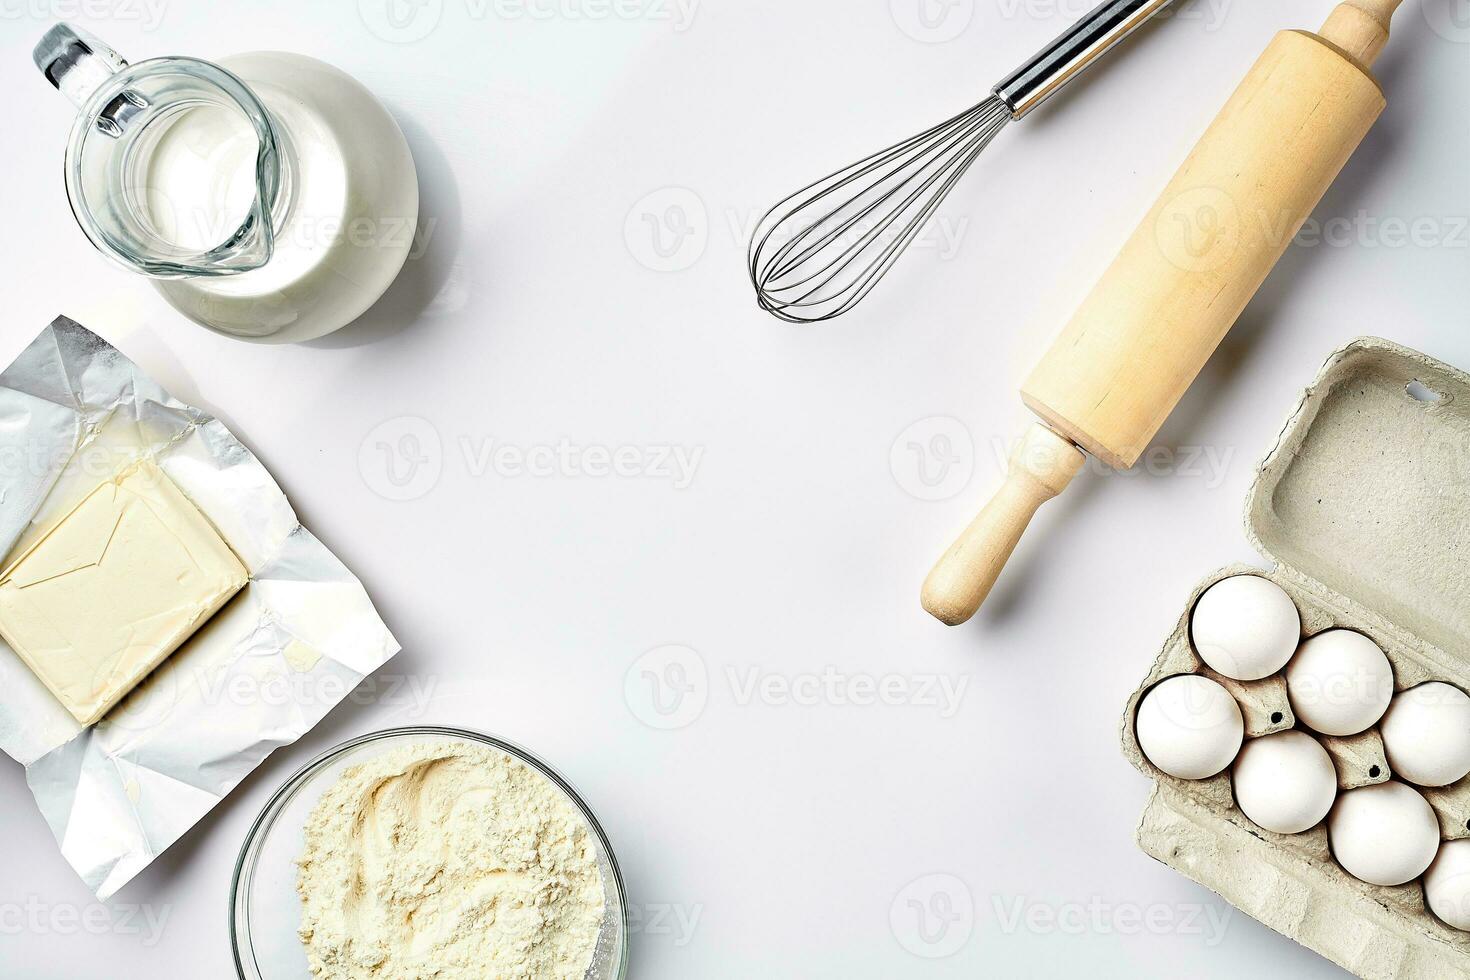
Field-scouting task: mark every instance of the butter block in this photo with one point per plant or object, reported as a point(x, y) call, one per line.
point(113, 588)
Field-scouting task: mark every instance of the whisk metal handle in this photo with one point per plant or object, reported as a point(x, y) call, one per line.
point(1069, 55)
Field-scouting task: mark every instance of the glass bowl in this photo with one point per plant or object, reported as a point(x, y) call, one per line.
point(265, 910)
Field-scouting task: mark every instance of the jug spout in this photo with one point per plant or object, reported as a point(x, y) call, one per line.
point(174, 167)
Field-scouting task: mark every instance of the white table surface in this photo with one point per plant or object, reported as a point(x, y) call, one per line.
point(780, 830)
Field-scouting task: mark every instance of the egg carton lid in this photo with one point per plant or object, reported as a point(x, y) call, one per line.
point(1365, 498)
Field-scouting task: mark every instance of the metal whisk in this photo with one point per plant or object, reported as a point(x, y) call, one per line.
point(817, 253)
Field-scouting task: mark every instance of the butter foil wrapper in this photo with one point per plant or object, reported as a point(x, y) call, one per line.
point(260, 674)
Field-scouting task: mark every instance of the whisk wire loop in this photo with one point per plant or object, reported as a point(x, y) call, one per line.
point(819, 251)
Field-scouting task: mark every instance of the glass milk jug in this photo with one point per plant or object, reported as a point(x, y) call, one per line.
point(270, 197)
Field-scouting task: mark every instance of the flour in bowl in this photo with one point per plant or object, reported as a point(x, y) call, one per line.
point(448, 861)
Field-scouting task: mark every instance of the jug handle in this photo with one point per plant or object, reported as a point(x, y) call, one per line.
point(76, 62)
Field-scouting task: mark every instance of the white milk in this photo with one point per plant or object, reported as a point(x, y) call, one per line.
point(197, 180)
point(343, 227)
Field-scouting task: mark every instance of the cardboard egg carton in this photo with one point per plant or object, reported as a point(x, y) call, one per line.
point(1363, 507)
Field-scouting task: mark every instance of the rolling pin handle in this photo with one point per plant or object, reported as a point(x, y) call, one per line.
point(1360, 27)
point(1040, 468)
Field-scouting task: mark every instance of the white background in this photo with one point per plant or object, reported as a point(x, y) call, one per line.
point(764, 837)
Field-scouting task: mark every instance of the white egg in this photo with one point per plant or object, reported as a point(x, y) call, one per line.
point(1285, 782)
point(1447, 885)
point(1190, 727)
point(1427, 734)
point(1385, 834)
point(1245, 627)
point(1340, 683)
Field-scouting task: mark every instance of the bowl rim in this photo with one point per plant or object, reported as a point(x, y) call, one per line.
point(288, 789)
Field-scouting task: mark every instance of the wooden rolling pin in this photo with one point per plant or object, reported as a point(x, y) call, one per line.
point(1183, 279)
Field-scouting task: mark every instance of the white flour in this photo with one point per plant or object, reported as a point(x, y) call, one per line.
point(450, 862)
